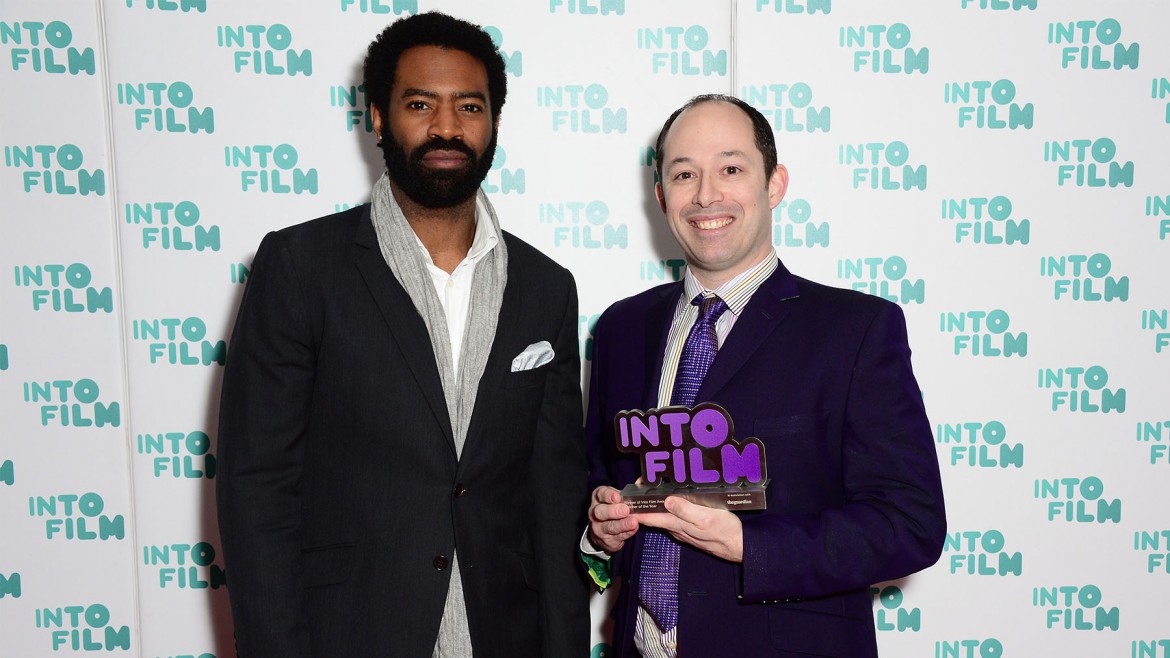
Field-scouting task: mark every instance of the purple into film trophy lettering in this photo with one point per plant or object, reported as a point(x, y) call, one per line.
point(691, 452)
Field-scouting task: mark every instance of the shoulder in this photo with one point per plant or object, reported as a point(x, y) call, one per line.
point(843, 303)
point(323, 234)
point(533, 265)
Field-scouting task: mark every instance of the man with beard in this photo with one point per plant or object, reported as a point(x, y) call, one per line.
point(401, 460)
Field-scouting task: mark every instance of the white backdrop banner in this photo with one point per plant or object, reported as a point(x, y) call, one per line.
point(999, 168)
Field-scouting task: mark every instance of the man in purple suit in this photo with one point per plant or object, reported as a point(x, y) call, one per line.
point(820, 375)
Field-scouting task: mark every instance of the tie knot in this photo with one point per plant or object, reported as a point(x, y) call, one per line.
point(710, 308)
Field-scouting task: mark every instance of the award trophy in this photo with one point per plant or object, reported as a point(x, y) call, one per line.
point(691, 452)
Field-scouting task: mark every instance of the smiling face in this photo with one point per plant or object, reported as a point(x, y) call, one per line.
point(438, 139)
point(714, 191)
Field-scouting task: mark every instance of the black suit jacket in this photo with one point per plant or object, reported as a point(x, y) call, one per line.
point(822, 376)
point(340, 496)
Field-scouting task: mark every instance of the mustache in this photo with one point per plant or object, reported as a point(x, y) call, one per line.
point(443, 144)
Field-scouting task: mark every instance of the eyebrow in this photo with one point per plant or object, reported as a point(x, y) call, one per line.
point(725, 154)
point(426, 93)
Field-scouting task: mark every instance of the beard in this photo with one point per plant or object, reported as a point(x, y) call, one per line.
point(432, 188)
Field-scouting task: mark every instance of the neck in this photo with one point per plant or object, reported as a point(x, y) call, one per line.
point(446, 233)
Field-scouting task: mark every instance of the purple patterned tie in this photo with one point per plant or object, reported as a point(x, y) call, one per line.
point(658, 586)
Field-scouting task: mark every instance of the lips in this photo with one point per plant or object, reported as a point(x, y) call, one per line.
point(710, 223)
point(444, 159)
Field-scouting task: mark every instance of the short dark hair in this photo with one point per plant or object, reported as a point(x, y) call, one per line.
point(765, 140)
point(431, 29)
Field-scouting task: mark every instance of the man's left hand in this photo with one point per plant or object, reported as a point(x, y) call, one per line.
point(714, 531)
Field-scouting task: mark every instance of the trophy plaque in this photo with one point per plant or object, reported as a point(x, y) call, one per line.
point(692, 453)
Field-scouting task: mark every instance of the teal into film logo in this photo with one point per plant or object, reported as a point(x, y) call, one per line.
point(179, 455)
point(270, 169)
point(1157, 435)
point(884, 49)
point(1159, 90)
point(70, 403)
point(681, 50)
point(171, 5)
point(501, 179)
point(1088, 163)
point(53, 169)
point(45, 48)
point(264, 50)
point(10, 585)
point(1084, 278)
point(982, 220)
point(998, 5)
point(1080, 389)
point(667, 269)
point(981, 553)
point(588, 7)
point(889, 612)
point(1155, 320)
point(1158, 207)
point(396, 7)
point(1077, 500)
point(172, 226)
point(585, 326)
point(989, 104)
point(1090, 44)
point(882, 166)
point(7, 472)
point(581, 109)
point(1076, 608)
point(179, 341)
point(1150, 648)
point(884, 277)
point(788, 107)
point(513, 59)
point(166, 107)
point(357, 106)
point(83, 628)
point(986, 648)
point(1155, 546)
point(185, 566)
point(980, 445)
point(983, 333)
point(63, 288)
point(584, 225)
point(795, 6)
point(77, 517)
point(3, 357)
point(792, 226)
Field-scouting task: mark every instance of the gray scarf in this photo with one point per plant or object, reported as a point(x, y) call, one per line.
point(397, 242)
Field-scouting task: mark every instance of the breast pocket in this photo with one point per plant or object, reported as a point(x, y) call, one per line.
point(526, 378)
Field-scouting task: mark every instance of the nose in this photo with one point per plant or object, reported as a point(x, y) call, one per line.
point(707, 191)
point(445, 123)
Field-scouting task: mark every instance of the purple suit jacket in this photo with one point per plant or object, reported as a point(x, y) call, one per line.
point(822, 376)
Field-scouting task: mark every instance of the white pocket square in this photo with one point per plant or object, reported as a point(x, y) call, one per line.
point(533, 356)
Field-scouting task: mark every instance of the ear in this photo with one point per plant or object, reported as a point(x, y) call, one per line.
point(662, 196)
point(777, 185)
point(377, 116)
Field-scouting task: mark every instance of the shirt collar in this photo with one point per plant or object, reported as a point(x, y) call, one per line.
point(736, 292)
point(483, 240)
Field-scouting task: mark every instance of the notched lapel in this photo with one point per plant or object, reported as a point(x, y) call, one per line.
point(766, 311)
point(407, 327)
point(658, 321)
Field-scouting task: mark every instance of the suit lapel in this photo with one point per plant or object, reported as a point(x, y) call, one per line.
point(659, 317)
point(499, 362)
point(406, 325)
point(762, 315)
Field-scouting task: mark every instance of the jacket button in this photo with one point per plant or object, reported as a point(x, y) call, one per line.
point(440, 562)
point(459, 490)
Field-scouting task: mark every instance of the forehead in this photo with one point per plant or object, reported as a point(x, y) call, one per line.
point(707, 128)
point(435, 68)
